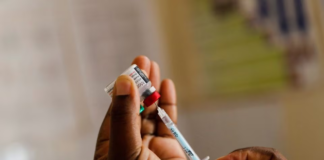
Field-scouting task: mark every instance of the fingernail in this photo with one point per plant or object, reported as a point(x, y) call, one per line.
point(123, 86)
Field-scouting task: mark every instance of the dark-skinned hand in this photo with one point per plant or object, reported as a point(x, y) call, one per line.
point(254, 153)
point(127, 135)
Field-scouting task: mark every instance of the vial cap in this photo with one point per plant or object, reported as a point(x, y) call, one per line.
point(151, 99)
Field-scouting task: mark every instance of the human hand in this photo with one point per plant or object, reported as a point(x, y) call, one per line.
point(254, 153)
point(127, 135)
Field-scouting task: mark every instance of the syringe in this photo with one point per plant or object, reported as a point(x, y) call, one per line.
point(174, 130)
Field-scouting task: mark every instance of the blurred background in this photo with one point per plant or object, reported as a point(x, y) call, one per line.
point(248, 73)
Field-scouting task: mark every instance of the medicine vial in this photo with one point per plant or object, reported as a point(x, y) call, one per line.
point(147, 92)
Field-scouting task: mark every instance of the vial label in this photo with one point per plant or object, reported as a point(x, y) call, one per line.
point(136, 74)
point(139, 71)
point(139, 77)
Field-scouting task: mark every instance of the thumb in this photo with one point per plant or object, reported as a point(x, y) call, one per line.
point(125, 137)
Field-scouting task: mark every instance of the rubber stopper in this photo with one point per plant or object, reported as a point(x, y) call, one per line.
point(151, 99)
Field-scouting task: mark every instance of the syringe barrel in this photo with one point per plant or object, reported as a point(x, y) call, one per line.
point(177, 134)
point(184, 144)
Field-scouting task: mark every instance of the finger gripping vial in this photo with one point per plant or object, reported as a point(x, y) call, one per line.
point(148, 93)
